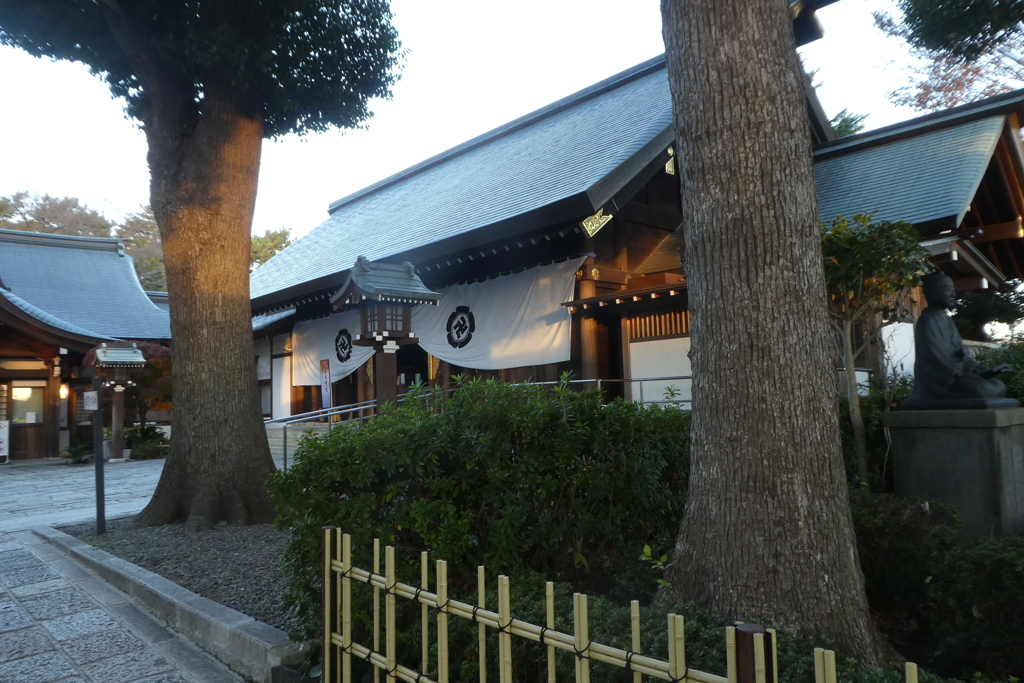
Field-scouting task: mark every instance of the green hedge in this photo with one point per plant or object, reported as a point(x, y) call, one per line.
point(978, 602)
point(513, 477)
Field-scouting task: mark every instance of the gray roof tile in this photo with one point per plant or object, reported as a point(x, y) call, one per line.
point(567, 149)
point(83, 285)
point(918, 179)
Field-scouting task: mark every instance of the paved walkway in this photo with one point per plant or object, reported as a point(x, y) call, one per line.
point(59, 622)
point(50, 492)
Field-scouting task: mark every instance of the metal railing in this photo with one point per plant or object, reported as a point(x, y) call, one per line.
point(314, 415)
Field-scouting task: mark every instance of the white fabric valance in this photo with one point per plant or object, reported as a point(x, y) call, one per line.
point(508, 322)
point(327, 338)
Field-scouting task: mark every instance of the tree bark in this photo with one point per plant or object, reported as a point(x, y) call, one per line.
point(767, 533)
point(203, 193)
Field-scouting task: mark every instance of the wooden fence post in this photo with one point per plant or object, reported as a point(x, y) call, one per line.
point(749, 666)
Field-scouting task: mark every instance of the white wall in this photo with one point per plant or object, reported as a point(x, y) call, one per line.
point(659, 358)
point(899, 348)
point(282, 387)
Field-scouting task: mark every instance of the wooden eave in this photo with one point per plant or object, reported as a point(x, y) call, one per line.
point(627, 297)
point(14, 317)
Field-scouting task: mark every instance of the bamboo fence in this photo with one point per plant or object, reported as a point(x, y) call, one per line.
point(339, 646)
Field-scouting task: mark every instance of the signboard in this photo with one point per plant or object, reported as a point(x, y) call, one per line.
point(90, 399)
point(325, 383)
point(5, 440)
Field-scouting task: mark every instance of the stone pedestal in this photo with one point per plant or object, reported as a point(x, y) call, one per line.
point(973, 459)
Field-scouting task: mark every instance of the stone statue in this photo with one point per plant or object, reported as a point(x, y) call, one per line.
point(945, 373)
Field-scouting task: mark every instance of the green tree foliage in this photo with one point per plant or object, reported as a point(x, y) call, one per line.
point(515, 477)
point(847, 123)
point(976, 310)
point(264, 247)
point(870, 267)
point(208, 80)
point(964, 29)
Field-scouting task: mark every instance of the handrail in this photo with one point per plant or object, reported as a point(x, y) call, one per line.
point(323, 412)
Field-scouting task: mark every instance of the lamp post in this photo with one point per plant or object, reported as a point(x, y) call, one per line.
point(385, 294)
point(113, 366)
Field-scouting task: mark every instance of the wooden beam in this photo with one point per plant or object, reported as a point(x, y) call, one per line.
point(965, 284)
point(1000, 231)
point(1010, 178)
point(648, 215)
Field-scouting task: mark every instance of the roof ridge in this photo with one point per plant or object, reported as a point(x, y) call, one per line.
point(611, 83)
point(44, 239)
point(990, 106)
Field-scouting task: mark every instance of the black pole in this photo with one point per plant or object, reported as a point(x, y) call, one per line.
point(97, 445)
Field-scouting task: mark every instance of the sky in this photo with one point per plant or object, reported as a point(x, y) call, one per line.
point(470, 67)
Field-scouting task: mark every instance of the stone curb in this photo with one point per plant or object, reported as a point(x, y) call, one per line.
point(248, 647)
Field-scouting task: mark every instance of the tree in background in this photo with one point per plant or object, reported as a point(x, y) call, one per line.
point(847, 123)
point(870, 269)
point(143, 244)
point(263, 247)
point(208, 80)
point(976, 310)
point(767, 532)
point(968, 50)
point(52, 215)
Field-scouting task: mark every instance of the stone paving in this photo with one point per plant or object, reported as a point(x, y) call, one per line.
point(59, 622)
point(50, 492)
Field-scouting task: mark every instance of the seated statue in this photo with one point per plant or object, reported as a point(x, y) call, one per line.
point(945, 373)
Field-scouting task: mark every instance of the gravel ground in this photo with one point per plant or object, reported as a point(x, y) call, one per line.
point(235, 566)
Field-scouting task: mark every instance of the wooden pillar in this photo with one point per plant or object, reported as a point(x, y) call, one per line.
point(117, 423)
point(51, 410)
point(588, 333)
point(746, 655)
point(385, 376)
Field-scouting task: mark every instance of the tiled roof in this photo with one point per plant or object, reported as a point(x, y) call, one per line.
point(381, 281)
point(918, 179)
point(82, 285)
point(586, 146)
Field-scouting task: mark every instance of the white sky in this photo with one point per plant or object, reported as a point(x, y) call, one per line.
point(470, 68)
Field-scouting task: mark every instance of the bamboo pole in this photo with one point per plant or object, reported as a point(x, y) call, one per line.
point(481, 601)
point(584, 636)
point(774, 641)
point(830, 666)
point(911, 670)
point(328, 612)
point(389, 611)
point(376, 607)
point(424, 618)
point(442, 621)
point(346, 608)
point(549, 603)
point(730, 654)
point(680, 647)
point(505, 636)
point(634, 620)
point(819, 665)
point(577, 642)
point(673, 666)
point(760, 668)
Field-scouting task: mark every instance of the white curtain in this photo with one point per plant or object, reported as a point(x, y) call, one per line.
point(508, 322)
point(327, 338)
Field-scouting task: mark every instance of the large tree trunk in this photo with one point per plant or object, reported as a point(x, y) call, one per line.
point(767, 532)
point(203, 192)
